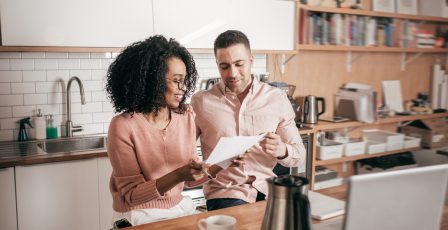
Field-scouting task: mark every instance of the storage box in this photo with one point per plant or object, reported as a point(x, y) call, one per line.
point(433, 132)
point(322, 173)
point(375, 147)
point(329, 150)
point(411, 142)
point(435, 8)
point(394, 141)
point(386, 163)
point(354, 147)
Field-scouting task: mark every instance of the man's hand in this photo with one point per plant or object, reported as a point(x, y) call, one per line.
point(239, 161)
point(272, 144)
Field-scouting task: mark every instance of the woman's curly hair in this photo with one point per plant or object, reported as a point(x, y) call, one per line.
point(136, 79)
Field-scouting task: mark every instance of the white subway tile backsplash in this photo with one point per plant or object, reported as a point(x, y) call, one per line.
point(35, 99)
point(6, 135)
point(56, 98)
point(69, 64)
point(108, 107)
point(50, 109)
point(50, 87)
point(33, 55)
point(38, 80)
point(92, 128)
point(6, 100)
point(5, 88)
point(101, 55)
point(103, 117)
point(94, 85)
point(10, 76)
point(23, 111)
point(105, 63)
point(46, 64)
point(29, 87)
point(56, 55)
point(99, 96)
point(81, 74)
point(99, 74)
point(81, 118)
point(78, 55)
point(10, 55)
point(76, 108)
point(9, 123)
point(92, 107)
point(58, 75)
point(22, 64)
point(4, 64)
point(91, 64)
point(76, 96)
point(5, 111)
point(34, 75)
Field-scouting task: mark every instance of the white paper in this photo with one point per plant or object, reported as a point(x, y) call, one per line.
point(230, 147)
point(392, 95)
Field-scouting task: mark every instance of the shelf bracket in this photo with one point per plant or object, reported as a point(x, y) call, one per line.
point(287, 59)
point(405, 60)
point(351, 59)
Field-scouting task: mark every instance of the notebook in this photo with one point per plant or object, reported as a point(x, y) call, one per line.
point(405, 199)
point(324, 207)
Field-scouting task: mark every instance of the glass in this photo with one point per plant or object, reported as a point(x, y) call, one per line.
point(180, 84)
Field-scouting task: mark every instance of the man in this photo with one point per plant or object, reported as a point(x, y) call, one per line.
point(240, 105)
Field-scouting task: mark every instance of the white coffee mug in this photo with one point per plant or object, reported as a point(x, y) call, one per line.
point(217, 222)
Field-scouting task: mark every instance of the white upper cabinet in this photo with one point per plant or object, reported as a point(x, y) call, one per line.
point(86, 23)
point(269, 24)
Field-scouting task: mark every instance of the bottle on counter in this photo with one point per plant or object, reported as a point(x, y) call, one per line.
point(39, 126)
point(52, 130)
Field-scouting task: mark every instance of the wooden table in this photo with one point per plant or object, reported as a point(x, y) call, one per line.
point(248, 216)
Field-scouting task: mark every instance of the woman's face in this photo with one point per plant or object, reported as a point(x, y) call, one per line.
point(175, 77)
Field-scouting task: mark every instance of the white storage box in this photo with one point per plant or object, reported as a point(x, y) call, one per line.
point(375, 147)
point(411, 142)
point(354, 147)
point(394, 141)
point(330, 150)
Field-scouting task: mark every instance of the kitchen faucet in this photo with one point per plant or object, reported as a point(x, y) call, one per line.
point(70, 128)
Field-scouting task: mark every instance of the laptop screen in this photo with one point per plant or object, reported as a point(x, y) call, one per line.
point(404, 199)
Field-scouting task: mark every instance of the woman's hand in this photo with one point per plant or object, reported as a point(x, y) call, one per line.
point(272, 144)
point(239, 161)
point(190, 172)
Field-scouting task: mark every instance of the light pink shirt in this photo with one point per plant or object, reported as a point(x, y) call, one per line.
point(265, 109)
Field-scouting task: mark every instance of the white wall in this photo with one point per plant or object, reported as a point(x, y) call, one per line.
point(37, 80)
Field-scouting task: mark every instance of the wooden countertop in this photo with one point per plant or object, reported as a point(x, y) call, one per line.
point(50, 158)
point(249, 216)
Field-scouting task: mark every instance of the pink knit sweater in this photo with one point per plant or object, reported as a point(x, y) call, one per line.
point(140, 154)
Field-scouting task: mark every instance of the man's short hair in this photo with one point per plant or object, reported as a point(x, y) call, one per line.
point(229, 38)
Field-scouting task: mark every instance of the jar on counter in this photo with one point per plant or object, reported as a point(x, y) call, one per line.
point(52, 130)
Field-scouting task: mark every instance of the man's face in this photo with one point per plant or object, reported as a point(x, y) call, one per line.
point(235, 64)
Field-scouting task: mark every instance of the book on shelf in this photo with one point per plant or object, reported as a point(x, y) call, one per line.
point(324, 28)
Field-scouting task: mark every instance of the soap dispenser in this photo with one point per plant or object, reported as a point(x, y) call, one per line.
point(23, 136)
point(52, 130)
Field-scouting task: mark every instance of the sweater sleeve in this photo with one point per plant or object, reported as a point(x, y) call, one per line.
point(127, 175)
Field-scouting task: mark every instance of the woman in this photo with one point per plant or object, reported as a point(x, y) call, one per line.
point(152, 143)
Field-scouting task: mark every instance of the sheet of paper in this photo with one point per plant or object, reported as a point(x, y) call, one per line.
point(230, 147)
point(392, 95)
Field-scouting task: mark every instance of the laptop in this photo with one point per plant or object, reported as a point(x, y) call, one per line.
point(405, 199)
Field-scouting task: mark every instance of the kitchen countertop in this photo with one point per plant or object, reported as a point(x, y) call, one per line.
point(248, 216)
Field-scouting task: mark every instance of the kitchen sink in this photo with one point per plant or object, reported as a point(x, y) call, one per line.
point(76, 144)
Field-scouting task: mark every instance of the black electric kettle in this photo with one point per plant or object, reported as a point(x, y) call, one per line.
point(288, 206)
point(309, 109)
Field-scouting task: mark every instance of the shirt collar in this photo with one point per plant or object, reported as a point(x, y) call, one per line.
point(255, 85)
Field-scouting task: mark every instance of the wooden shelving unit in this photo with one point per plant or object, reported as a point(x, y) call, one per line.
point(372, 13)
point(363, 156)
point(309, 47)
point(326, 126)
point(323, 125)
